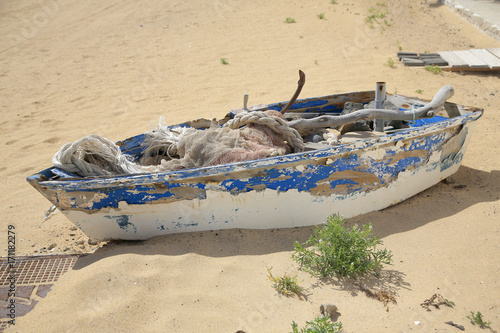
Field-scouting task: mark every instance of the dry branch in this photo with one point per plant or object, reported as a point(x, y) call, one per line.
point(302, 81)
point(426, 111)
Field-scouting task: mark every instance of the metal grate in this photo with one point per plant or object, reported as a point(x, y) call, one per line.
point(34, 277)
point(34, 270)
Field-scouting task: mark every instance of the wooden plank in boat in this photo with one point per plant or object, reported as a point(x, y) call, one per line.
point(453, 60)
point(472, 60)
point(453, 110)
point(488, 57)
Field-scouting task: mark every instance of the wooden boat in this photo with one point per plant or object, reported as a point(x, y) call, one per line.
point(363, 172)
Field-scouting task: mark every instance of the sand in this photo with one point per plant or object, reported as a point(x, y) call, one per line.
point(73, 68)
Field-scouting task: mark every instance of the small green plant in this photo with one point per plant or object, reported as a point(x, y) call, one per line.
point(333, 2)
point(477, 319)
point(290, 20)
point(318, 325)
point(375, 15)
point(419, 91)
point(224, 61)
point(381, 4)
point(286, 285)
point(449, 303)
point(316, 62)
point(390, 62)
point(400, 48)
point(434, 69)
point(321, 16)
point(334, 250)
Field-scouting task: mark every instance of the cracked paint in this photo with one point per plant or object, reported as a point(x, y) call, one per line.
point(376, 172)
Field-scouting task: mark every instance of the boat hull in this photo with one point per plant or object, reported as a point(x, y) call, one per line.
point(280, 192)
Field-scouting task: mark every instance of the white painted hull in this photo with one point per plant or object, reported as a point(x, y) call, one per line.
point(292, 190)
point(264, 209)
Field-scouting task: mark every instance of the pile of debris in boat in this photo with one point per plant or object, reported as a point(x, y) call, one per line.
point(246, 136)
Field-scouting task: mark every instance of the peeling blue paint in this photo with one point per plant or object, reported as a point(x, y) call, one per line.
point(182, 225)
point(122, 221)
point(329, 176)
point(343, 170)
point(276, 173)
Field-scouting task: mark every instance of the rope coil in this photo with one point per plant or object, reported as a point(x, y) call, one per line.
point(277, 124)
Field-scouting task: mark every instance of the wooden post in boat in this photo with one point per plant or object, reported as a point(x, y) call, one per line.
point(245, 102)
point(302, 80)
point(378, 124)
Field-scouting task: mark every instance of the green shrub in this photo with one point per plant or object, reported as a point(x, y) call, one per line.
point(435, 69)
point(477, 319)
point(390, 62)
point(334, 250)
point(286, 285)
point(318, 325)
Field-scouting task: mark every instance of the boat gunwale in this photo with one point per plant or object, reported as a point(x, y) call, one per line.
point(144, 179)
point(299, 102)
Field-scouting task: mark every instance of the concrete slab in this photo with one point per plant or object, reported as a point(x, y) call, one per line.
point(484, 14)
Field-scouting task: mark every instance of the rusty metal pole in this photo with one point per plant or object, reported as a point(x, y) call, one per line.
point(379, 104)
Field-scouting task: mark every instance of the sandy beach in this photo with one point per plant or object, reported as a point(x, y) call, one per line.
point(72, 68)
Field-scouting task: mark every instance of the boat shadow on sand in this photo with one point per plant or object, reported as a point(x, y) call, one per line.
point(468, 187)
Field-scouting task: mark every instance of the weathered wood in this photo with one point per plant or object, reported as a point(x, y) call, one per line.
point(409, 55)
point(428, 55)
point(454, 110)
point(472, 60)
point(412, 62)
point(453, 60)
point(470, 69)
point(495, 51)
point(488, 57)
point(302, 81)
point(426, 111)
point(437, 61)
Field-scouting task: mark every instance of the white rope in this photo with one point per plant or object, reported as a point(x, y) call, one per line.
point(164, 139)
point(94, 155)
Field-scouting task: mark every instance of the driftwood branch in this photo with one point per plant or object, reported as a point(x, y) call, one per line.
point(426, 111)
point(302, 80)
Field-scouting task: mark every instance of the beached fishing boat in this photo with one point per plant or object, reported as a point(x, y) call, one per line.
point(336, 169)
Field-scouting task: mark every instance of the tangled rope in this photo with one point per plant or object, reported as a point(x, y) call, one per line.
point(277, 124)
point(94, 155)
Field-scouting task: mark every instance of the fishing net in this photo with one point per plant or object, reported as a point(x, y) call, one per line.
point(248, 136)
